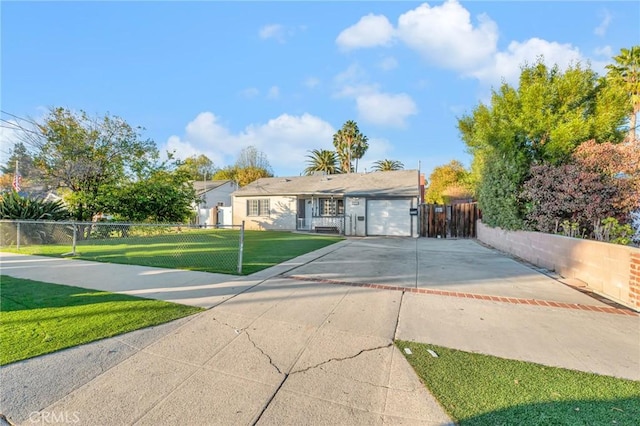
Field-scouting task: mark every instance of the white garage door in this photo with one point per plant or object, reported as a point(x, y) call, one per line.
point(389, 217)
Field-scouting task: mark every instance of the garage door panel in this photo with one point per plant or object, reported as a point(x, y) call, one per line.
point(388, 217)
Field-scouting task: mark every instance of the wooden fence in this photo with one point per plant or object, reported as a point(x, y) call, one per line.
point(448, 221)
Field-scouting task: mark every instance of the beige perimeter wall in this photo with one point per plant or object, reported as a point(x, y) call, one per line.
point(609, 269)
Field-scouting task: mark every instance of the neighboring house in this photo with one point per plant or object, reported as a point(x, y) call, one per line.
point(360, 204)
point(215, 207)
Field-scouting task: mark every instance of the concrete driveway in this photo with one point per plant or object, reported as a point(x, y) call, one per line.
point(290, 346)
point(444, 264)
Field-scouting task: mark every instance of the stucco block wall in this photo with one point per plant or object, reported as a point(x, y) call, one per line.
point(282, 214)
point(610, 269)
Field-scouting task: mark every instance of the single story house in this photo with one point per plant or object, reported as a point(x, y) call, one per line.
point(359, 204)
point(215, 207)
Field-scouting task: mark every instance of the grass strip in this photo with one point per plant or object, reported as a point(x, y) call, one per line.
point(37, 318)
point(478, 389)
point(195, 250)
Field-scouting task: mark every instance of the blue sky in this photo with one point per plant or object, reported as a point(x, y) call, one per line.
point(215, 77)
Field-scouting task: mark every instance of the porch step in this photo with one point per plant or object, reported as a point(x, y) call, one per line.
point(327, 230)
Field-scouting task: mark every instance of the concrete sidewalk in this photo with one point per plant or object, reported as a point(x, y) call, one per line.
point(288, 351)
point(193, 288)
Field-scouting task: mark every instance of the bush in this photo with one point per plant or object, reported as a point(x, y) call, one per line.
point(555, 194)
point(635, 224)
point(611, 231)
point(15, 207)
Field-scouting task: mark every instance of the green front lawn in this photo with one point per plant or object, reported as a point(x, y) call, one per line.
point(196, 250)
point(480, 389)
point(37, 318)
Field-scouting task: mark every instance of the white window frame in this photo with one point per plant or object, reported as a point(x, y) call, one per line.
point(334, 206)
point(258, 207)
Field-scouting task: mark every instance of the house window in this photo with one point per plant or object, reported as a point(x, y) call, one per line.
point(331, 207)
point(258, 207)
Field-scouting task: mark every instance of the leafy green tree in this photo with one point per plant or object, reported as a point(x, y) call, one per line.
point(226, 173)
point(322, 160)
point(89, 156)
point(246, 175)
point(626, 73)
point(350, 145)
point(445, 178)
point(542, 121)
point(24, 158)
point(387, 165)
point(198, 167)
point(163, 196)
point(251, 165)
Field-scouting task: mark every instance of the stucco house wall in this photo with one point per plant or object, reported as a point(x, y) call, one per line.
point(376, 203)
point(216, 195)
point(281, 214)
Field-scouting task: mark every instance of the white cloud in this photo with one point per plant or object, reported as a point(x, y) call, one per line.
point(274, 92)
point(312, 82)
point(280, 33)
point(274, 31)
point(388, 63)
point(385, 109)
point(285, 140)
point(605, 51)
point(353, 74)
point(446, 36)
point(507, 65)
point(371, 30)
point(355, 90)
point(373, 105)
point(601, 29)
point(250, 92)
point(9, 135)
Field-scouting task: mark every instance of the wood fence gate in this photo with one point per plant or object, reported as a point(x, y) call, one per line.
point(448, 221)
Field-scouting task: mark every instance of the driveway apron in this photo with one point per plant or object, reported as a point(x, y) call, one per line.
point(311, 342)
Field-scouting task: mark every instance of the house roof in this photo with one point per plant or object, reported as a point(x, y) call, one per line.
point(402, 183)
point(201, 187)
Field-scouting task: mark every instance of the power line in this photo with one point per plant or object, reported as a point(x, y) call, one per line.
point(18, 117)
point(15, 126)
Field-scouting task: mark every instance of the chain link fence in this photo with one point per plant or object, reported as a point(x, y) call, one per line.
point(209, 249)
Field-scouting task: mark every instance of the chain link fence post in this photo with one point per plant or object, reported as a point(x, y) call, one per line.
point(75, 238)
point(241, 248)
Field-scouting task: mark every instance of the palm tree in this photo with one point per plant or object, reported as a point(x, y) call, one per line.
point(387, 165)
point(626, 70)
point(350, 145)
point(322, 160)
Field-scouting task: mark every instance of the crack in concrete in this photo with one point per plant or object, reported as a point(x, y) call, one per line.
point(410, 390)
point(342, 359)
point(240, 331)
point(262, 352)
point(237, 330)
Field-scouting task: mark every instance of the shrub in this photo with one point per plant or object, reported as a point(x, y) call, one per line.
point(610, 230)
point(15, 207)
point(635, 224)
point(559, 194)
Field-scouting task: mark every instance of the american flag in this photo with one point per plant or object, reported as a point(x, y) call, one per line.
point(17, 181)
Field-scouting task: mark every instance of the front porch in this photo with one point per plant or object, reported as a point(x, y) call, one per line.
point(320, 214)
